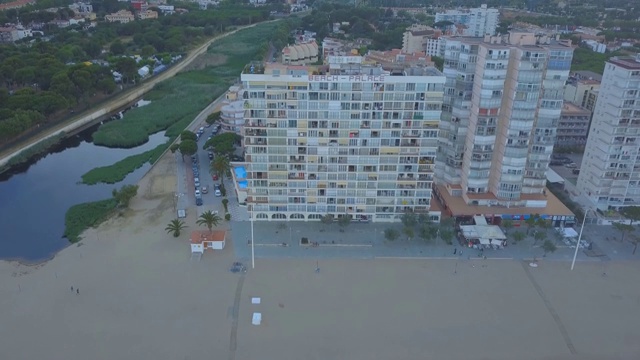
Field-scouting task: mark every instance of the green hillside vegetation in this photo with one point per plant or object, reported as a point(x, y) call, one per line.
point(177, 101)
point(43, 82)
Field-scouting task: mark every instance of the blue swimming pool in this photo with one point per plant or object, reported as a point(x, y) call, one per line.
point(241, 173)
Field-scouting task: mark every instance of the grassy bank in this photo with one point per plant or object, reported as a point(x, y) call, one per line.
point(37, 149)
point(176, 102)
point(117, 172)
point(187, 93)
point(83, 216)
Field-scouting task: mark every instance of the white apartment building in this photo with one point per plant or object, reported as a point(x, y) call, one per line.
point(477, 22)
point(502, 103)
point(610, 172)
point(341, 139)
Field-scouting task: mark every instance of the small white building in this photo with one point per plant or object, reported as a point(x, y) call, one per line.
point(203, 240)
point(143, 71)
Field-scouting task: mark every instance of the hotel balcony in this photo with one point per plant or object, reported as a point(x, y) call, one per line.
point(296, 176)
point(253, 132)
point(255, 141)
point(408, 177)
point(410, 143)
point(411, 134)
point(259, 123)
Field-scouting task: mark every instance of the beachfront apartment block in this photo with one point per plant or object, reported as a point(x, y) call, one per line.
point(346, 138)
point(503, 99)
point(475, 22)
point(610, 171)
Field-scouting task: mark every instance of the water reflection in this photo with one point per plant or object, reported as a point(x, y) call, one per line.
point(34, 197)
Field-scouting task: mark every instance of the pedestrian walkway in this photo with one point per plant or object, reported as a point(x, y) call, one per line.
point(238, 212)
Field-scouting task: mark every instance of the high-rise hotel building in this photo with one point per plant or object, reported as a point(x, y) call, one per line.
point(610, 172)
point(502, 103)
point(347, 138)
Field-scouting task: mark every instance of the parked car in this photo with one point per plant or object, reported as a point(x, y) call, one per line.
point(218, 193)
point(205, 190)
point(575, 171)
point(196, 181)
point(198, 194)
point(198, 201)
point(207, 125)
point(571, 166)
point(210, 155)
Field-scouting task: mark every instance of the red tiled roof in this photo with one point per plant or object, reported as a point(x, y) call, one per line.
point(16, 4)
point(198, 237)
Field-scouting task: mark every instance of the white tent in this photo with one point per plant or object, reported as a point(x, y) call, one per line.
point(482, 232)
point(568, 232)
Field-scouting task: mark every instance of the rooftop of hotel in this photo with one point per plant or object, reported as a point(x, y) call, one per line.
point(626, 62)
point(364, 68)
point(569, 108)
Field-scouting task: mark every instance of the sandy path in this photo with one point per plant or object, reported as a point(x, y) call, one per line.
point(142, 298)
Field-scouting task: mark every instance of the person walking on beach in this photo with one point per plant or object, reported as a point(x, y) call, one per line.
point(78, 291)
point(72, 289)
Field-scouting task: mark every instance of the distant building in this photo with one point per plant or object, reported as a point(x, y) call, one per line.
point(476, 22)
point(139, 5)
point(416, 37)
point(166, 9)
point(257, 2)
point(147, 14)
point(122, 16)
point(398, 59)
point(8, 34)
point(81, 8)
point(610, 172)
point(336, 47)
point(300, 54)
point(577, 90)
point(595, 46)
point(573, 126)
point(16, 4)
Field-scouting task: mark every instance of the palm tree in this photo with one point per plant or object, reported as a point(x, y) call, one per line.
point(175, 226)
point(507, 224)
point(220, 166)
point(209, 219)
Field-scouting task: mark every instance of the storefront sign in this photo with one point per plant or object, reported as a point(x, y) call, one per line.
point(344, 78)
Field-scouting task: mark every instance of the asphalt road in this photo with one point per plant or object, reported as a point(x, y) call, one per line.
point(185, 183)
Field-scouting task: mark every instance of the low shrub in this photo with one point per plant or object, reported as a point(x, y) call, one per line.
point(83, 216)
point(117, 172)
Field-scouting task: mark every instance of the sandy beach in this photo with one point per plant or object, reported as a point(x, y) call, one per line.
point(141, 297)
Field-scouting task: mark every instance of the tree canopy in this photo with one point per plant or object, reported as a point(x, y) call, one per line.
point(223, 144)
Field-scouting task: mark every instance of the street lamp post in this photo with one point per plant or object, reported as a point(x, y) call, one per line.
point(575, 254)
point(253, 258)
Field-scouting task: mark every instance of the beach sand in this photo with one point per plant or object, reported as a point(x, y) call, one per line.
point(141, 297)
